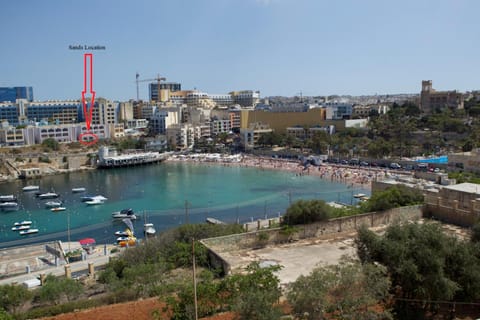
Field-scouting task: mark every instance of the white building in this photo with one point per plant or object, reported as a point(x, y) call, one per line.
point(181, 136)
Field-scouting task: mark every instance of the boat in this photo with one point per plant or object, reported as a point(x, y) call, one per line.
point(53, 204)
point(123, 238)
point(20, 228)
point(91, 198)
point(29, 231)
point(23, 223)
point(30, 188)
point(149, 229)
point(8, 198)
point(48, 195)
point(121, 233)
point(359, 195)
point(94, 202)
point(124, 213)
point(8, 205)
point(78, 190)
point(58, 209)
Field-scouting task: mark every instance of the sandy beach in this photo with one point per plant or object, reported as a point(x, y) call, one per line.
point(353, 176)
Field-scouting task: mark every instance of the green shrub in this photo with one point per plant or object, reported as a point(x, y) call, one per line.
point(307, 211)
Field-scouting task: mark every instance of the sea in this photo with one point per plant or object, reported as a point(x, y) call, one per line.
point(165, 194)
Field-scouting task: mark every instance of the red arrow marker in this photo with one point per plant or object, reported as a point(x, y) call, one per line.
point(88, 84)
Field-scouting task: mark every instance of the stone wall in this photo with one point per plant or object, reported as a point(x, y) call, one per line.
point(326, 229)
point(449, 211)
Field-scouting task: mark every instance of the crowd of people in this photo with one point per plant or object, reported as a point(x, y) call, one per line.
point(354, 176)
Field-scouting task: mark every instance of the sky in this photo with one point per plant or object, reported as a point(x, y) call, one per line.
point(279, 47)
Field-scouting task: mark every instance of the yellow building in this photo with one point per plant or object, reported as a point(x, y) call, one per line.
point(280, 121)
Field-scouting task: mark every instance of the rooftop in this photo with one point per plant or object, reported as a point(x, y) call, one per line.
point(465, 187)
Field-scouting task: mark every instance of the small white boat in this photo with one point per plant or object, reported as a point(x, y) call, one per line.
point(48, 195)
point(94, 202)
point(359, 195)
point(23, 223)
point(121, 234)
point(57, 209)
point(19, 228)
point(78, 190)
point(8, 198)
point(91, 198)
point(120, 239)
point(149, 229)
point(8, 205)
point(124, 214)
point(30, 188)
point(53, 204)
point(29, 231)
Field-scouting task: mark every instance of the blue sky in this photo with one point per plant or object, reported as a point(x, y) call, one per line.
point(280, 47)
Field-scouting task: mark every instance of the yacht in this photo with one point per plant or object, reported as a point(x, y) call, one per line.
point(122, 234)
point(48, 195)
point(124, 214)
point(53, 204)
point(29, 231)
point(92, 198)
point(149, 229)
point(57, 209)
point(23, 223)
point(30, 188)
point(20, 228)
point(8, 205)
point(94, 201)
point(78, 190)
point(8, 198)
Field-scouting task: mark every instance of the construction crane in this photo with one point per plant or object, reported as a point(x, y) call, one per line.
point(158, 79)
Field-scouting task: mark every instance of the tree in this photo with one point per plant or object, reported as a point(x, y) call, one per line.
point(306, 211)
point(51, 144)
point(256, 293)
point(4, 315)
point(424, 263)
point(55, 289)
point(13, 296)
point(476, 232)
point(348, 290)
point(396, 196)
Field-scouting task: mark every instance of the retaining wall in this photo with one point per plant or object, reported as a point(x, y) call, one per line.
point(326, 229)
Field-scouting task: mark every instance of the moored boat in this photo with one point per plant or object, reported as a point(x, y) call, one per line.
point(29, 231)
point(359, 195)
point(30, 188)
point(78, 190)
point(53, 204)
point(124, 214)
point(149, 229)
point(20, 228)
point(94, 202)
point(8, 198)
point(121, 233)
point(8, 205)
point(92, 198)
point(48, 195)
point(23, 223)
point(57, 209)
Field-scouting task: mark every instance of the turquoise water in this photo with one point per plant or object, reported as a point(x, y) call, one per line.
point(160, 193)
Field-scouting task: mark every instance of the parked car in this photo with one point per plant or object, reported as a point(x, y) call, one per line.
point(395, 166)
point(364, 163)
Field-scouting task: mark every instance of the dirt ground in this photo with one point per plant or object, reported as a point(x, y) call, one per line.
point(138, 310)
